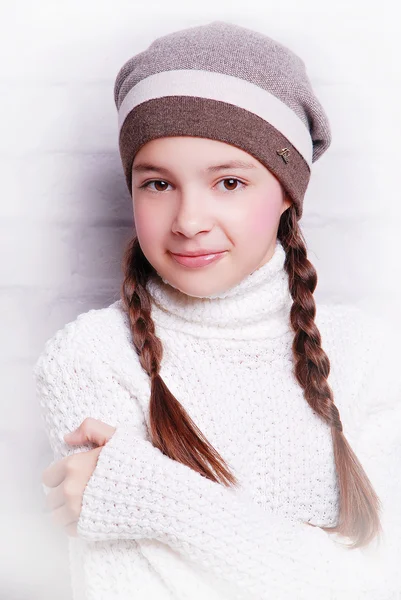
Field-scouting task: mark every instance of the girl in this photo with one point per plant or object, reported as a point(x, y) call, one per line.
point(223, 463)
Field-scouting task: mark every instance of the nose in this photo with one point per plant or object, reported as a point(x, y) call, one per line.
point(192, 216)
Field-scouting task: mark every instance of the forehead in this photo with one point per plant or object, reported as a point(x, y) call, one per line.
point(149, 167)
point(202, 156)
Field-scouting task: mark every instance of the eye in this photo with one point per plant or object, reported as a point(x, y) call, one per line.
point(147, 183)
point(231, 179)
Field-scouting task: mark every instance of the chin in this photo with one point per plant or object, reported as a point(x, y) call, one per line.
point(195, 288)
point(196, 291)
point(201, 289)
point(204, 293)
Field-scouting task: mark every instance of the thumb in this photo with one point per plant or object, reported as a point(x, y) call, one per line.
point(91, 430)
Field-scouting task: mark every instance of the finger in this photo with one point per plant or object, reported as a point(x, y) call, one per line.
point(71, 529)
point(92, 431)
point(66, 514)
point(56, 497)
point(78, 469)
point(55, 473)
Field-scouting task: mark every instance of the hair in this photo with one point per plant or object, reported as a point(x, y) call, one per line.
point(178, 437)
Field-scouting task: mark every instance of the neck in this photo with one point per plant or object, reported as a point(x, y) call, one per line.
point(256, 307)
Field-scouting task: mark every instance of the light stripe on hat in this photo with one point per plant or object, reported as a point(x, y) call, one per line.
point(222, 88)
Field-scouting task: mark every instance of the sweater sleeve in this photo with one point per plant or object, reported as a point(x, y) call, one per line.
point(136, 492)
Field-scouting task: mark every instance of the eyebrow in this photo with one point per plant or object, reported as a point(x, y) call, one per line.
point(233, 164)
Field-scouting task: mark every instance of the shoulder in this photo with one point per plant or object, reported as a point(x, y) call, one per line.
point(347, 325)
point(76, 337)
point(87, 329)
point(354, 330)
point(362, 349)
point(98, 337)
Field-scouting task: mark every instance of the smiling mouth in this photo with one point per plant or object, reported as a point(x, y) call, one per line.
point(200, 260)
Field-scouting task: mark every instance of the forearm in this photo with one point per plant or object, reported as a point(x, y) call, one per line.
point(136, 492)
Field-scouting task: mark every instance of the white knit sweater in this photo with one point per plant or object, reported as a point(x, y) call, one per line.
point(151, 527)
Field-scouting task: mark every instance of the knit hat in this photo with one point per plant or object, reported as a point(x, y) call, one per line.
point(224, 82)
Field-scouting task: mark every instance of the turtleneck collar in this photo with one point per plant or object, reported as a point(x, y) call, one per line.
point(257, 307)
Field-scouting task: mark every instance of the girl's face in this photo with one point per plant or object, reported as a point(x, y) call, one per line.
point(199, 195)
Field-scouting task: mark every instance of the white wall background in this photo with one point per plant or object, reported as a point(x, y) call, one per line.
point(65, 212)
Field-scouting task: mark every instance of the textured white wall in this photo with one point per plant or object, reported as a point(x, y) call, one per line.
point(65, 212)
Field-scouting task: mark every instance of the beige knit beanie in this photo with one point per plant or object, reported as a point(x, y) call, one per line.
point(224, 82)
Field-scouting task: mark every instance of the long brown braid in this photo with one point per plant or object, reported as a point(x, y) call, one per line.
point(359, 504)
point(177, 436)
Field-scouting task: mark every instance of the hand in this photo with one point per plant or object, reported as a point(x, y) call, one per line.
point(68, 477)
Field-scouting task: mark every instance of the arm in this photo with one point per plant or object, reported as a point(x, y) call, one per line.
point(216, 527)
point(136, 492)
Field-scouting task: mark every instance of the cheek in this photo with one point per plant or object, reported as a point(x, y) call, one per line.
point(147, 226)
point(262, 220)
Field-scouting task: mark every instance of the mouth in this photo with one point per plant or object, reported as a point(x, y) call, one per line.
point(199, 260)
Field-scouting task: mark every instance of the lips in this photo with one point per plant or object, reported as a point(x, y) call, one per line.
point(199, 252)
point(200, 260)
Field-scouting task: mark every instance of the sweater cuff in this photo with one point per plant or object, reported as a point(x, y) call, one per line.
point(118, 500)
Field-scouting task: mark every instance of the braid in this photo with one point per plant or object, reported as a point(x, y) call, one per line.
point(172, 429)
point(359, 504)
